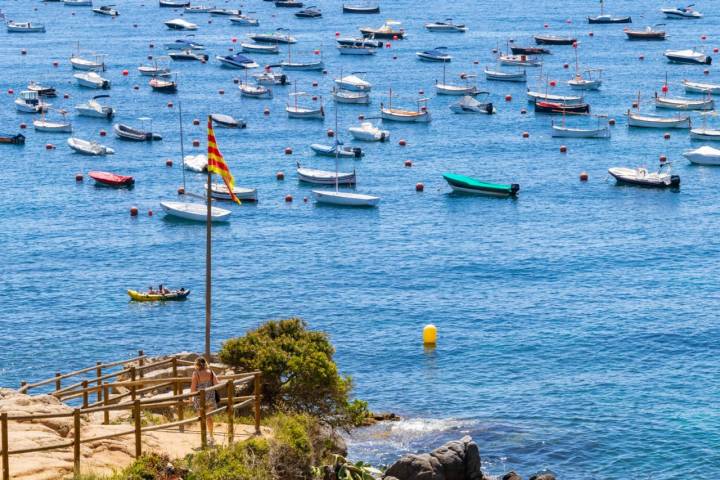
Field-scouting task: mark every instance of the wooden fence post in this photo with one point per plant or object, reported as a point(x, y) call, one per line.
point(203, 419)
point(230, 411)
point(76, 441)
point(141, 362)
point(138, 429)
point(98, 372)
point(176, 384)
point(5, 445)
point(181, 413)
point(58, 383)
point(257, 403)
point(106, 402)
point(85, 394)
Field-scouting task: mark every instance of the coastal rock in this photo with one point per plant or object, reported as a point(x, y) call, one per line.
point(374, 418)
point(543, 476)
point(511, 475)
point(456, 460)
point(333, 441)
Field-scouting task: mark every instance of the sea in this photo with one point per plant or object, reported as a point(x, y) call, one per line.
point(577, 323)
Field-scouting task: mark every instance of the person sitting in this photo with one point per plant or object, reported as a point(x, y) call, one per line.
point(151, 291)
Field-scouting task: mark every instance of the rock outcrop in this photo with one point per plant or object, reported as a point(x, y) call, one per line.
point(456, 460)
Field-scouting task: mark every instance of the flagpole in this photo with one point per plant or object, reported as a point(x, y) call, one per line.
point(208, 264)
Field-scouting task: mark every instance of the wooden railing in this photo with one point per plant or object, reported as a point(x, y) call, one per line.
point(128, 396)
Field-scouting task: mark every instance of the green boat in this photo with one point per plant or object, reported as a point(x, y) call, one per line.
point(461, 183)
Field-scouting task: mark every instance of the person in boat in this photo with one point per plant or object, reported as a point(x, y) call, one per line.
point(151, 291)
point(162, 290)
point(203, 378)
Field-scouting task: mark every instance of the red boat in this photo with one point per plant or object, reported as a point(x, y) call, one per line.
point(111, 179)
point(559, 108)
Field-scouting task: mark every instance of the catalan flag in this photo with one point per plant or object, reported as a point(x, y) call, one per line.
point(216, 162)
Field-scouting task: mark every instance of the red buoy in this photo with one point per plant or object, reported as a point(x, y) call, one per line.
point(664, 89)
point(419, 187)
point(150, 213)
point(23, 126)
point(583, 176)
point(337, 34)
point(563, 149)
point(716, 50)
point(288, 198)
point(703, 37)
point(10, 91)
point(523, 111)
point(196, 143)
point(387, 45)
point(279, 176)
point(395, 37)
point(525, 135)
point(125, 73)
point(642, 57)
point(170, 104)
point(133, 211)
point(663, 159)
point(181, 191)
point(49, 146)
point(196, 121)
point(316, 52)
point(78, 177)
point(103, 133)
point(168, 163)
point(508, 98)
point(288, 151)
point(546, 26)
point(266, 111)
point(402, 142)
point(611, 121)
point(408, 163)
point(330, 133)
point(55, 64)
point(553, 83)
point(361, 117)
point(666, 136)
point(706, 72)
point(591, 34)
point(233, 39)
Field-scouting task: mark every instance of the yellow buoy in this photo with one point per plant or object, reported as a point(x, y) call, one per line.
point(430, 334)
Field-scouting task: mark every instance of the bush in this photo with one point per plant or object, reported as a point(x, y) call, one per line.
point(247, 460)
point(299, 373)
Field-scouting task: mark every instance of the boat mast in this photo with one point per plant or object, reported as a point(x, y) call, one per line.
point(208, 264)
point(337, 150)
point(182, 146)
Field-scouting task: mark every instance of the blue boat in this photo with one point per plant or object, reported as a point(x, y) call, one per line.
point(336, 150)
point(12, 138)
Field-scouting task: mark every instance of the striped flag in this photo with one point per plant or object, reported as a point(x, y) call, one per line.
point(216, 162)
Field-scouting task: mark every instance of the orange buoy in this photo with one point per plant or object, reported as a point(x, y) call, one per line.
point(125, 73)
point(133, 211)
point(563, 149)
point(666, 136)
point(583, 176)
point(419, 187)
point(553, 83)
point(402, 142)
point(168, 162)
point(288, 151)
point(78, 177)
point(279, 176)
point(288, 198)
point(408, 163)
point(181, 191)
point(508, 98)
point(196, 143)
point(523, 111)
point(611, 121)
point(10, 91)
point(150, 213)
point(23, 126)
point(49, 146)
point(330, 133)
point(525, 135)
point(103, 133)
point(196, 121)
point(663, 159)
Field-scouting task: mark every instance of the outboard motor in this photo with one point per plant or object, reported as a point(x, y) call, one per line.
point(708, 60)
point(283, 79)
point(515, 188)
point(382, 137)
point(489, 108)
point(357, 151)
point(106, 85)
point(674, 181)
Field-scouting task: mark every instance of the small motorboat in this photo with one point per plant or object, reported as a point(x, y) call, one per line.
point(529, 50)
point(220, 191)
point(691, 56)
point(641, 177)
point(309, 12)
point(554, 40)
point(258, 48)
point(346, 199)
point(336, 150)
point(77, 3)
point(288, 4)
point(560, 108)
point(12, 138)
point(367, 132)
point(360, 42)
point(519, 61)
point(163, 86)
point(649, 33)
point(126, 132)
point(421, 115)
point(174, 3)
point(44, 125)
point(464, 184)
point(198, 9)
point(273, 38)
point(296, 110)
point(356, 50)
point(302, 66)
point(705, 134)
point(438, 54)
point(25, 27)
point(390, 30)
point(106, 10)
point(29, 101)
point(605, 18)
point(345, 96)
point(353, 83)
point(226, 121)
point(237, 60)
point(446, 27)
point(244, 21)
point(549, 97)
point(500, 76)
point(681, 12)
point(254, 91)
point(271, 78)
point(154, 71)
point(648, 120)
point(563, 131)
point(227, 12)
point(701, 87)
point(586, 82)
point(153, 296)
point(188, 55)
point(197, 212)
point(457, 90)
point(93, 108)
point(674, 103)
point(180, 24)
point(196, 163)
point(325, 177)
point(87, 147)
point(361, 9)
point(92, 80)
point(42, 90)
point(79, 63)
point(468, 104)
point(703, 156)
point(182, 44)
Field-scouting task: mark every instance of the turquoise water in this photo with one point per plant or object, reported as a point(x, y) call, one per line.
point(577, 325)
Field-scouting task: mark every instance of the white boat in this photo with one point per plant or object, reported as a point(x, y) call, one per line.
point(78, 3)
point(648, 120)
point(30, 102)
point(325, 177)
point(367, 132)
point(549, 97)
point(91, 80)
point(244, 21)
point(258, 48)
point(224, 12)
point(421, 115)
point(447, 26)
point(226, 121)
point(519, 61)
point(681, 12)
point(368, 42)
point(127, 132)
point(254, 91)
point(107, 10)
point(353, 83)
point(500, 76)
point(182, 44)
point(155, 70)
point(305, 66)
point(196, 212)
point(237, 60)
point(196, 163)
point(701, 87)
point(25, 27)
point(336, 150)
point(345, 96)
point(44, 125)
point(356, 50)
point(705, 133)
point(468, 104)
point(457, 90)
point(220, 191)
point(640, 176)
point(198, 9)
point(295, 110)
point(93, 108)
point(273, 38)
point(438, 54)
point(180, 24)
point(271, 78)
point(79, 63)
point(580, 82)
point(563, 131)
point(349, 199)
point(87, 147)
point(683, 103)
point(689, 55)
point(703, 156)
point(42, 90)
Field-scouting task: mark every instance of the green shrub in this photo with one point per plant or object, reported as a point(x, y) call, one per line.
point(247, 460)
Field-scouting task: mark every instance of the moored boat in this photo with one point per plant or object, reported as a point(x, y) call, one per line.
point(180, 24)
point(220, 191)
point(42, 90)
point(25, 27)
point(92, 80)
point(163, 86)
point(465, 184)
point(701, 87)
point(649, 33)
point(12, 138)
point(296, 110)
point(258, 48)
point(560, 107)
point(367, 132)
point(127, 132)
point(690, 56)
point(348, 199)
point(683, 103)
point(188, 55)
point(448, 26)
point(501, 76)
point(236, 61)
point(93, 108)
point(703, 156)
point(516, 50)
point(519, 61)
point(325, 177)
point(196, 212)
point(29, 101)
point(245, 21)
point(87, 147)
point(336, 150)
point(361, 9)
point(641, 177)
point(107, 10)
point(111, 179)
point(554, 40)
point(469, 104)
point(274, 38)
point(648, 120)
point(438, 54)
point(389, 30)
point(227, 121)
point(346, 96)
point(681, 12)
point(173, 295)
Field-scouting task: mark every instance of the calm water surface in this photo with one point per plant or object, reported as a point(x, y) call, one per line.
point(578, 326)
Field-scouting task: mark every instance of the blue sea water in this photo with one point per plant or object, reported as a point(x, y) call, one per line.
point(577, 324)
